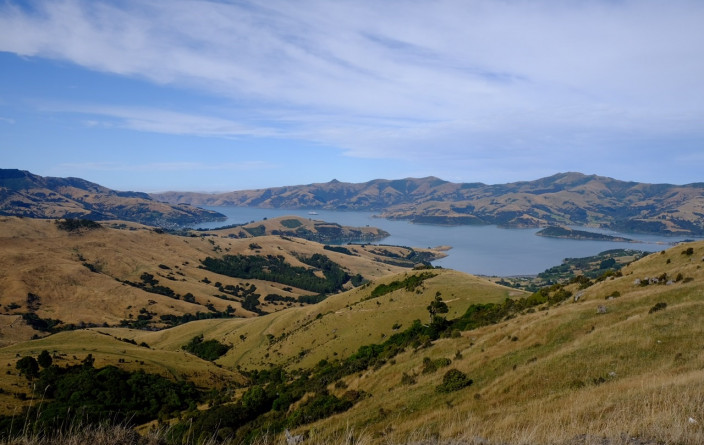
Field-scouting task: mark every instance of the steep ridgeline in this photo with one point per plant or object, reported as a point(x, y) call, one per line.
point(25, 194)
point(565, 198)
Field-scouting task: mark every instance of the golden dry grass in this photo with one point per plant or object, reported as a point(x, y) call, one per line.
point(336, 327)
point(563, 375)
point(38, 258)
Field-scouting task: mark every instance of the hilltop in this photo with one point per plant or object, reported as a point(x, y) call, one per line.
point(306, 228)
point(25, 194)
point(561, 199)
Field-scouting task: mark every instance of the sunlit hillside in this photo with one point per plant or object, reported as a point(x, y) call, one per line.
point(624, 360)
point(335, 328)
point(127, 274)
point(614, 360)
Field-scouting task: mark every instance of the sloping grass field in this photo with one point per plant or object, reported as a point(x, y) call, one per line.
point(618, 361)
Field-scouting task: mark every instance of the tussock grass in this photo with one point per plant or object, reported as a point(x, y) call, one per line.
point(566, 375)
point(84, 435)
point(121, 435)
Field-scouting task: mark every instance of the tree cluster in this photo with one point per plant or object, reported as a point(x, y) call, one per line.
point(76, 224)
point(410, 284)
point(276, 269)
point(206, 349)
point(88, 395)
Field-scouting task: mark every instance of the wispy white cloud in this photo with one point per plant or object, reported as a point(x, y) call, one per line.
point(166, 166)
point(161, 121)
point(7, 120)
point(392, 79)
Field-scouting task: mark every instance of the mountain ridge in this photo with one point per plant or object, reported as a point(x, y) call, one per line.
point(28, 195)
point(569, 198)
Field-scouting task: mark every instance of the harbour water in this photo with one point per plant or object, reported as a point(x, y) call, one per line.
point(481, 250)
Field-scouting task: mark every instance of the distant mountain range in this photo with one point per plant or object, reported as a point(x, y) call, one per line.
point(561, 199)
point(25, 194)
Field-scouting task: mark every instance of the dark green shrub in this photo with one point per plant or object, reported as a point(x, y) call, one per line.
point(259, 230)
point(275, 268)
point(75, 224)
point(291, 223)
point(407, 379)
point(318, 407)
point(28, 367)
point(658, 307)
point(430, 366)
point(453, 380)
point(338, 249)
point(207, 350)
point(41, 324)
point(357, 280)
point(614, 294)
point(410, 284)
point(44, 359)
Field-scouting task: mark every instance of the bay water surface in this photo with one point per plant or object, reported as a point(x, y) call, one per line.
point(479, 250)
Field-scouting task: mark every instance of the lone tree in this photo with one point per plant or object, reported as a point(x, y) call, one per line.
point(44, 359)
point(436, 307)
point(28, 367)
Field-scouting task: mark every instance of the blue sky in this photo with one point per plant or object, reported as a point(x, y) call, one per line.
point(223, 95)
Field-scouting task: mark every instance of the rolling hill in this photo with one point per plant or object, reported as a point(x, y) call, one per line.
point(118, 273)
point(565, 199)
point(25, 194)
point(310, 229)
point(612, 361)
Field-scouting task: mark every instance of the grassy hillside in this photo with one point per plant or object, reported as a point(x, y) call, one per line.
point(70, 348)
point(128, 274)
point(617, 361)
point(307, 228)
point(334, 328)
point(566, 373)
point(296, 338)
point(556, 375)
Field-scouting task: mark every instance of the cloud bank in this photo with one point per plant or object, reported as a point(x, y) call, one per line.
point(392, 79)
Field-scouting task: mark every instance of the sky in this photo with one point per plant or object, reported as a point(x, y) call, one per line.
point(157, 95)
